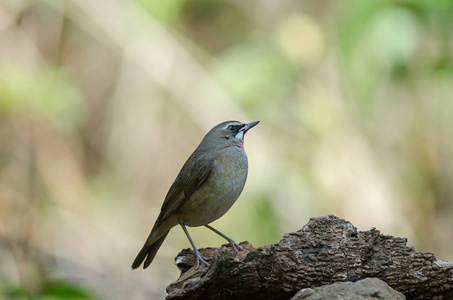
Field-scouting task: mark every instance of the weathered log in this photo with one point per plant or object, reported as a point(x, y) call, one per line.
point(325, 251)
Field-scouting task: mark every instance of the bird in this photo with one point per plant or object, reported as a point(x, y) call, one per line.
point(206, 187)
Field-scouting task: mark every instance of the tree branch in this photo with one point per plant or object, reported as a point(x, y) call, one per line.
point(325, 251)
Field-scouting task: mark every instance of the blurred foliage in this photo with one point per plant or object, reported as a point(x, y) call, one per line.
point(265, 75)
point(54, 289)
point(41, 91)
point(102, 102)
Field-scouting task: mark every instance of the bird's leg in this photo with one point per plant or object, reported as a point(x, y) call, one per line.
point(230, 241)
point(195, 250)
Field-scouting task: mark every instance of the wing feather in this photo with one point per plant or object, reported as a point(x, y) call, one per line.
point(192, 175)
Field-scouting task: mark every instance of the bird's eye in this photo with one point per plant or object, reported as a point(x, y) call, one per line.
point(231, 127)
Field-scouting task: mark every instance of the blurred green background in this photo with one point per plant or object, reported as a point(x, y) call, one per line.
point(101, 102)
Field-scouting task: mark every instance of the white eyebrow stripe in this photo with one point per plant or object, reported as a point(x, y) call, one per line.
point(231, 123)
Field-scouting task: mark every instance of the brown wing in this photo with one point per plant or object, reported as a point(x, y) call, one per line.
point(192, 175)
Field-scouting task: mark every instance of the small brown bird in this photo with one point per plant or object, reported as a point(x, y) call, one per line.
point(205, 189)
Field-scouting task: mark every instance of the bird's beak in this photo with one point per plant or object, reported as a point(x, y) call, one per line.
point(248, 126)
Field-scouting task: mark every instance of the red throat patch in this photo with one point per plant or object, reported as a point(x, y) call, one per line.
point(242, 146)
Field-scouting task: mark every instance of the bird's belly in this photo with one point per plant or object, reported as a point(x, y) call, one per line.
point(214, 198)
point(207, 210)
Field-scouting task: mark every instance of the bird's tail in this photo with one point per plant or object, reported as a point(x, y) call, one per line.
point(148, 252)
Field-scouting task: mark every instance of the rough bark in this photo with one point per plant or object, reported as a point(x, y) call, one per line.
point(325, 251)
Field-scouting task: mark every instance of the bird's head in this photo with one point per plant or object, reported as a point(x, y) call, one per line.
point(226, 134)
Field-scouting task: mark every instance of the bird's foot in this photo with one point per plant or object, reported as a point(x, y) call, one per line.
point(201, 258)
point(236, 247)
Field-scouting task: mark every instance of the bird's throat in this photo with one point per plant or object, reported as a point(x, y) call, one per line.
point(241, 146)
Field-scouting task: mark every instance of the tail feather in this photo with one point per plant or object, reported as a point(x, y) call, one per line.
point(148, 252)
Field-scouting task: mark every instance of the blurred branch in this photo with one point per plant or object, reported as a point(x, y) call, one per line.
point(161, 55)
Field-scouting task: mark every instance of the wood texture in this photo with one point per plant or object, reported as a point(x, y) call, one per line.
point(326, 250)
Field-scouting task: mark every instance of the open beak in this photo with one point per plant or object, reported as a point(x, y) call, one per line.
point(248, 126)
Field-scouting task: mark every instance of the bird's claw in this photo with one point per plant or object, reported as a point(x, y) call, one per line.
point(236, 247)
point(202, 258)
